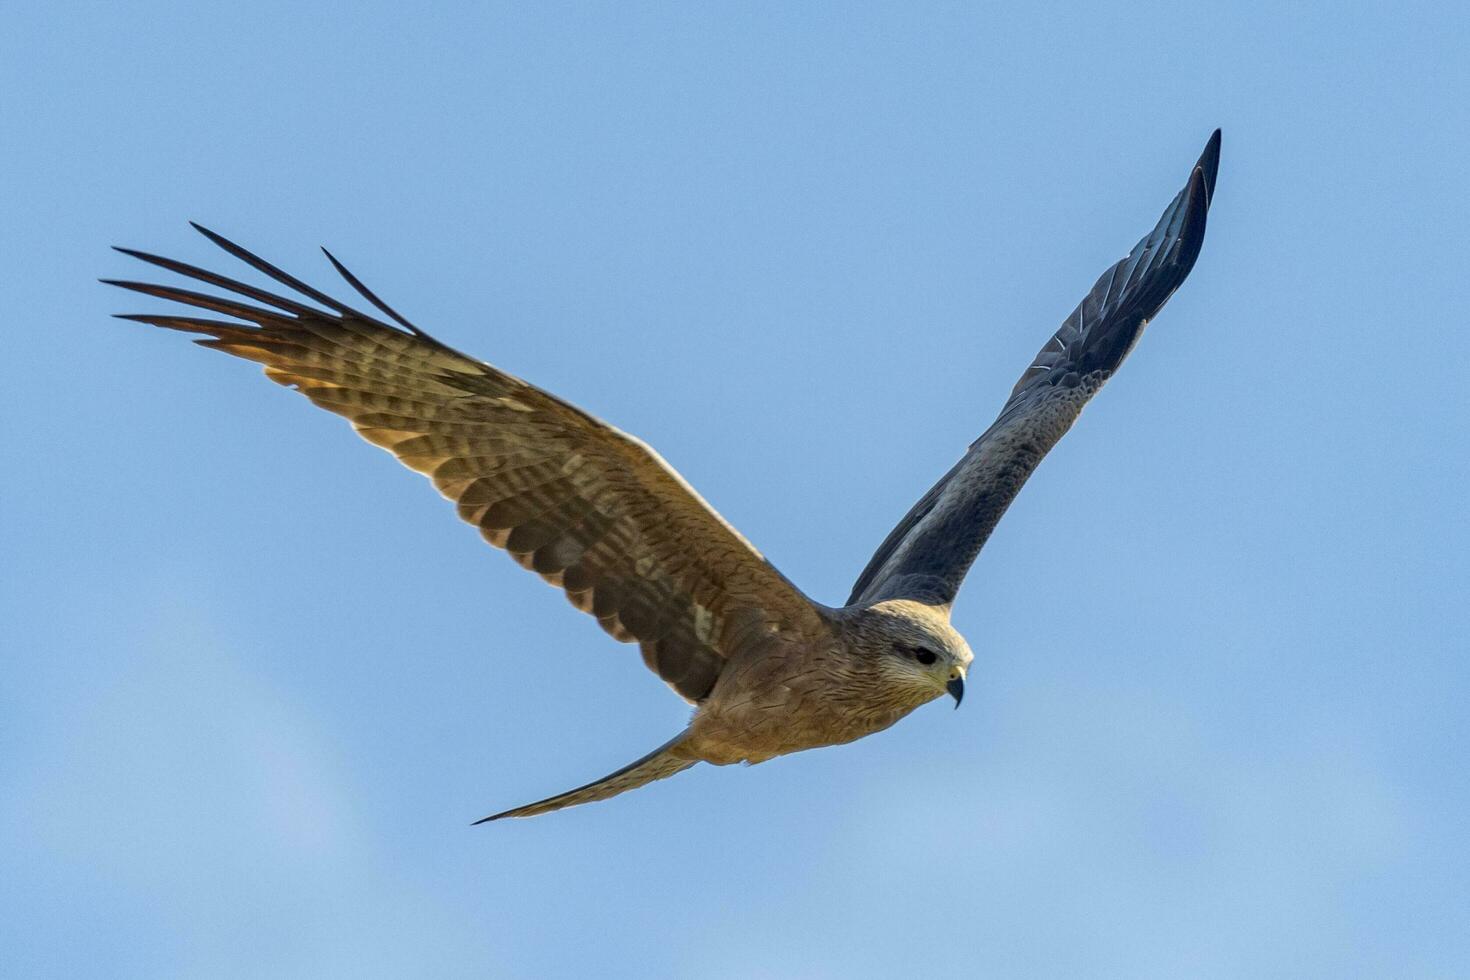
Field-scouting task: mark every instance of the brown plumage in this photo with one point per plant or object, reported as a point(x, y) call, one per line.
point(600, 515)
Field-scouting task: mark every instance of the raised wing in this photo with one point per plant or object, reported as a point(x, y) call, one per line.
point(585, 506)
point(926, 557)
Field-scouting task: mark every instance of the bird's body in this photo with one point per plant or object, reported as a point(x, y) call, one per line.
point(599, 514)
point(784, 694)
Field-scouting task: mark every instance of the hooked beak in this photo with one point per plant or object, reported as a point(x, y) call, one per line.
point(956, 689)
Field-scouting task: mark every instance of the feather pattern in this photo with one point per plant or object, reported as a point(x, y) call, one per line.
point(588, 508)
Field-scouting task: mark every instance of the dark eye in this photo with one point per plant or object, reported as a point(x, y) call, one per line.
point(925, 657)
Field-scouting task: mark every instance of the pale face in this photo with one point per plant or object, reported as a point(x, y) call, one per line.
point(920, 650)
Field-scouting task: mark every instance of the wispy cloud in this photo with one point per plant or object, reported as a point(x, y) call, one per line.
point(186, 795)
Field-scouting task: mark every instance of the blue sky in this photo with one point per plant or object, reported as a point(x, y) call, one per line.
point(257, 680)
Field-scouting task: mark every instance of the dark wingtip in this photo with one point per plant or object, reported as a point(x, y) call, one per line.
point(1209, 165)
point(1196, 211)
point(371, 296)
point(131, 284)
point(224, 243)
point(280, 276)
point(237, 251)
point(488, 819)
point(213, 236)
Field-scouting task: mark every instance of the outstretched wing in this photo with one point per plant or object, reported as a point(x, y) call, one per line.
point(585, 506)
point(925, 558)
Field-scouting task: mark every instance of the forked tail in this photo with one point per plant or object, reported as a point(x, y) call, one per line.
point(661, 763)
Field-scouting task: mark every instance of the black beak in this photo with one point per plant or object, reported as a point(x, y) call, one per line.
point(956, 689)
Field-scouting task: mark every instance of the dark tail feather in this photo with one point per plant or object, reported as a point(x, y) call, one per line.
point(661, 763)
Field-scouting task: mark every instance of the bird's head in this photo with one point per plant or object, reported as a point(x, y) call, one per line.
point(916, 649)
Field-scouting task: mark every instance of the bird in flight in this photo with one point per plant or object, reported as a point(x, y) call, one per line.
point(600, 515)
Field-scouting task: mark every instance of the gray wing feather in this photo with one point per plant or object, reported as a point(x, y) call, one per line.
point(927, 555)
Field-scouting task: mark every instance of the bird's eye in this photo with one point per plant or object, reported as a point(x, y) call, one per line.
point(925, 657)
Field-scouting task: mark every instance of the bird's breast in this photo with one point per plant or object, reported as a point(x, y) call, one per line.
point(776, 705)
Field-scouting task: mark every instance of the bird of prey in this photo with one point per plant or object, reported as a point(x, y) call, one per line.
point(599, 514)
